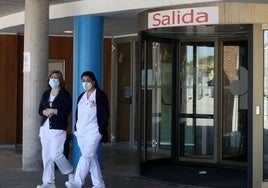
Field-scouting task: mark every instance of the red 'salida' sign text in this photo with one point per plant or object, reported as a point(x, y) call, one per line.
point(183, 17)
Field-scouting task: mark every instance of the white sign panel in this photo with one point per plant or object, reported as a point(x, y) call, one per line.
point(184, 17)
point(26, 62)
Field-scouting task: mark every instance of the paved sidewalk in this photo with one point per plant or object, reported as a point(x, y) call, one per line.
point(117, 172)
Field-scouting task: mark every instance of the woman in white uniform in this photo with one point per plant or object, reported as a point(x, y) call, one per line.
point(55, 107)
point(92, 118)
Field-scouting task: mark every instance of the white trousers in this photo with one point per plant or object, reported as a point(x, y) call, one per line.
point(52, 152)
point(88, 162)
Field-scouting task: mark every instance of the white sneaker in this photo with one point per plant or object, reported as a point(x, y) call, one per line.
point(72, 184)
point(47, 185)
point(69, 184)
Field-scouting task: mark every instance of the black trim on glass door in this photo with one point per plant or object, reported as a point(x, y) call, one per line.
point(203, 116)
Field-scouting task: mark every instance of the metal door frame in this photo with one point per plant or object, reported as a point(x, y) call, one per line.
point(133, 42)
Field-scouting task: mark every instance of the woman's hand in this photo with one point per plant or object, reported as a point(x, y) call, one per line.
point(50, 112)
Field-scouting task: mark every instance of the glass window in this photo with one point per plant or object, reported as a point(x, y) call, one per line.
point(234, 125)
point(196, 112)
point(156, 100)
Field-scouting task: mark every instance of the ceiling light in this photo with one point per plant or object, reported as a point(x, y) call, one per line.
point(69, 32)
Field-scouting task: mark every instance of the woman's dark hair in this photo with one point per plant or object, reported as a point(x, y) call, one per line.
point(92, 76)
point(62, 83)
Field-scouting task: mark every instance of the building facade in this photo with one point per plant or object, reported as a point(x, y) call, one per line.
point(187, 85)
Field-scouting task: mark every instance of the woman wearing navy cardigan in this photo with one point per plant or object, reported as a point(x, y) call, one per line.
point(90, 129)
point(55, 107)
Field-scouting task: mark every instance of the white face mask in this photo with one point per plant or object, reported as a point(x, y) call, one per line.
point(87, 85)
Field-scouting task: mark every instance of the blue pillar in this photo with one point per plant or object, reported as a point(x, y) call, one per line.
point(88, 56)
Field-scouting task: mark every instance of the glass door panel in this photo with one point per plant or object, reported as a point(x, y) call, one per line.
point(234, 101)
point(196, 111)
point(156, 87)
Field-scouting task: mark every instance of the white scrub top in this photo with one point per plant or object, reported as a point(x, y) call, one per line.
point(87, 123)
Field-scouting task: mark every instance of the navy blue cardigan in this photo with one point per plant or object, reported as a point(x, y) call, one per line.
point(63, 103)
point(102, 113)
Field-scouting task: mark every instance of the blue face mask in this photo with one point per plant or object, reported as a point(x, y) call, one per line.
point(54, 82)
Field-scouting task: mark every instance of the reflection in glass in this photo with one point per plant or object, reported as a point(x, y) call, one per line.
point(234, 125)
point(196, 79)
point(161, 94)
point(156, 85)
point(198, 138)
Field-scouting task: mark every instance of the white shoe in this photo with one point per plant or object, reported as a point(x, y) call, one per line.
point(72, 184)
point(69, 184)
point(47, 185)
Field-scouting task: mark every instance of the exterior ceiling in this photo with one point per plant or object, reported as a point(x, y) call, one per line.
point(119, 19)
point(13, 6)
point(115, 23)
